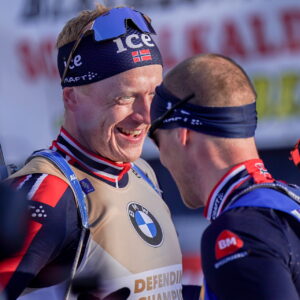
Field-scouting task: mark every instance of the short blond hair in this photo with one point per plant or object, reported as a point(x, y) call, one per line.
point(215, 80)
point(74, 26)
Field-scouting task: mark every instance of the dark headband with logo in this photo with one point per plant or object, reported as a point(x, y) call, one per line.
point(229, 122)
point(120, 40)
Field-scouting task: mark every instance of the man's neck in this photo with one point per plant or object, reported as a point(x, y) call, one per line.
point(222, 156)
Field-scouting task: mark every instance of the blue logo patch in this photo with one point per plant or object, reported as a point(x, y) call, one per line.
point(86, 186)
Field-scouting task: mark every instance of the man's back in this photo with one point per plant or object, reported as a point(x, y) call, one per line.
point(252, 252)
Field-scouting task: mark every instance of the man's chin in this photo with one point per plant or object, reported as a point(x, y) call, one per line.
point(190, 204)
point(131, 155)
point(132, 158)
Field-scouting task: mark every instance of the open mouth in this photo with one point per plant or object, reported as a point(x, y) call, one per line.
point(131, 133)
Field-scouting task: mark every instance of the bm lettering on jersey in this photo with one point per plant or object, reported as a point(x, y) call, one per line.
point(227, 243)
point(133, 41)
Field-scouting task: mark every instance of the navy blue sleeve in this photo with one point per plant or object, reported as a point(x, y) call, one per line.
point(252, 253)
point(191, 292)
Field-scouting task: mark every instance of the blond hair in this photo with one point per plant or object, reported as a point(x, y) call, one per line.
point(75, 26)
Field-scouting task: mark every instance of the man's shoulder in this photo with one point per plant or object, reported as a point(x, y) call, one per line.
point(41, 181)
point(143, 164)
point(146, 168)
point(40, 165)
point(254, 223)
point(40, 187)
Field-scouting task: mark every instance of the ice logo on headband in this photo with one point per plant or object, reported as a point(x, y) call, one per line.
point(75, 62)
point(133, 41)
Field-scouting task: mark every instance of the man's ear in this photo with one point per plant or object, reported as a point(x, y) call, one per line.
point(183, 134)
point(70, 99)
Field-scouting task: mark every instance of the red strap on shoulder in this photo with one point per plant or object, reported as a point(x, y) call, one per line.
point(295, 154)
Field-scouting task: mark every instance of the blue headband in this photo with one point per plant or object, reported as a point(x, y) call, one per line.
point(229, 122)
point(93, 61)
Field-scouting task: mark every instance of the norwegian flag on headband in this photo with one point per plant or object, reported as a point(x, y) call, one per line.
point(141, 55)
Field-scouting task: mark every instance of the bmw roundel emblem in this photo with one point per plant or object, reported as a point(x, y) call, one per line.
point(145, 224)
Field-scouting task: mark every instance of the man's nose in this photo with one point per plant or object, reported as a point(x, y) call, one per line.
point(141, 110)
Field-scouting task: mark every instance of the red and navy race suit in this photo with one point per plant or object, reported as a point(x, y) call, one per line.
point(53, 235)
point(251, 252)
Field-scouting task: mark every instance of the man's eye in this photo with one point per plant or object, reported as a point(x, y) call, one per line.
point(125, 100)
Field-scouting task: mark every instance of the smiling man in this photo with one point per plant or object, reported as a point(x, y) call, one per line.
point(109, 67)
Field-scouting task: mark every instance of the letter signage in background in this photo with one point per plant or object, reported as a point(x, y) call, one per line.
point(262, 36)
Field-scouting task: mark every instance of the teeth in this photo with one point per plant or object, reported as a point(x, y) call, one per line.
point(131, 132)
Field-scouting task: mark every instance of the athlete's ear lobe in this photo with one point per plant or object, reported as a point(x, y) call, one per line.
point(69, 97)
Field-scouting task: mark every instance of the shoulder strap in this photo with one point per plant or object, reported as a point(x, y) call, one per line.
point(291, 190)
point(80, 197)
point(140, 172)
point(268, 197)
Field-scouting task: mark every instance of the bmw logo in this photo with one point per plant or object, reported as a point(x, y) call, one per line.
point(145, 224)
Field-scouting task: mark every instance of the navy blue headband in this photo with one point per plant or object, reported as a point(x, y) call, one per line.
point(93, 61)
point(230, 122)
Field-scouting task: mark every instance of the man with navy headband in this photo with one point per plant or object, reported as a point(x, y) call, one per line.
point(96, 213)
point(203, 121)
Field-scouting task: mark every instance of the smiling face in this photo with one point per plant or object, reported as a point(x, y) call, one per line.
point(111, 117)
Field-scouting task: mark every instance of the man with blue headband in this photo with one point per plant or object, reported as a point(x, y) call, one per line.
point(203, 121)
point(96, 213)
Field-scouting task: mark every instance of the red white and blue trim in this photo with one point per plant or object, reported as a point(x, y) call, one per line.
point(239, 177)
point(97, 166)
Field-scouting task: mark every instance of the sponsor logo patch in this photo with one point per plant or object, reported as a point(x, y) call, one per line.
point(259, 173)
point(38, 211)
point(145, 224)
point(87, 186)
point(227, 243)
point(261, 168)
point(89, 76)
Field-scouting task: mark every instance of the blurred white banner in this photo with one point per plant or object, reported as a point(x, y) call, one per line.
point(262, 36)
